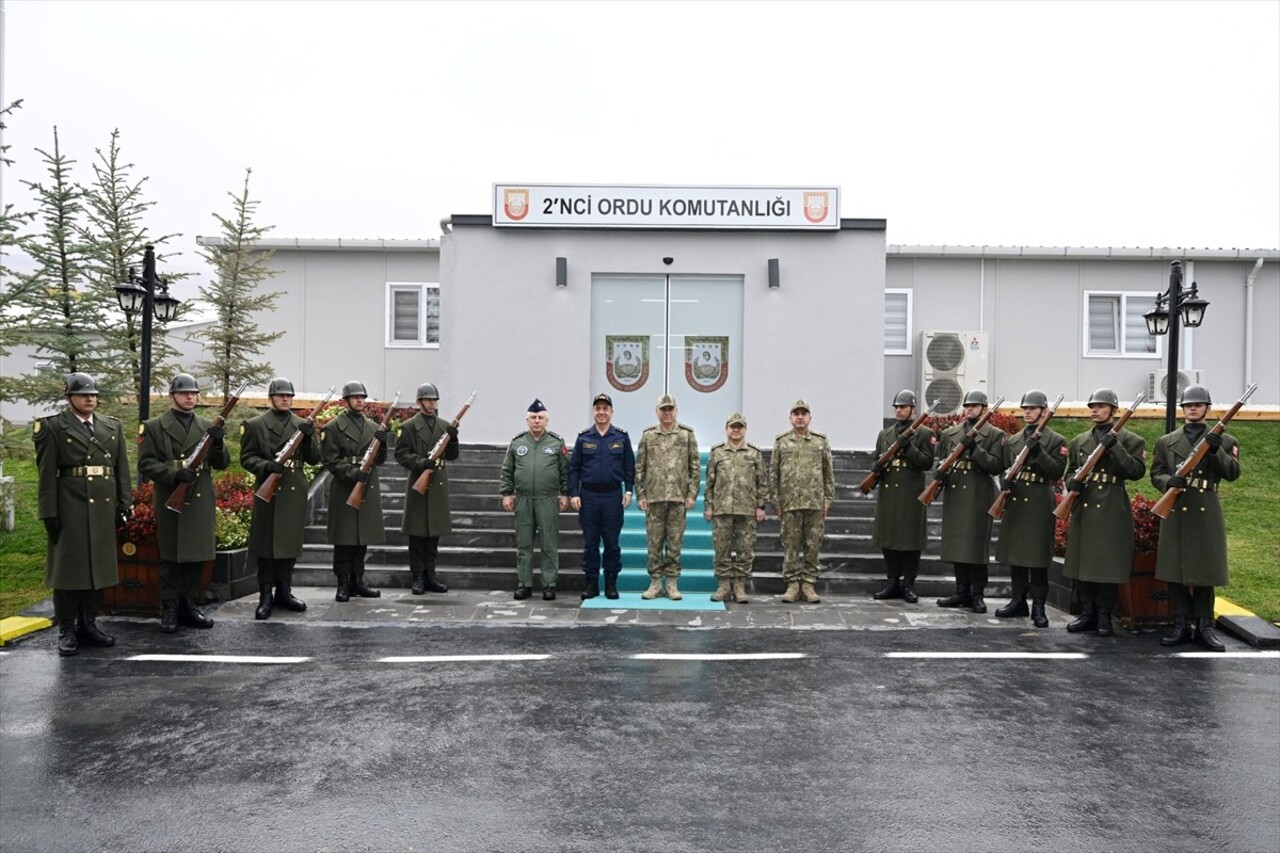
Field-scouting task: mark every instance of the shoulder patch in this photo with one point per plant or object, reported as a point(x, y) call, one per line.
point(242, 429)
point(142, 430)
point(37, 429)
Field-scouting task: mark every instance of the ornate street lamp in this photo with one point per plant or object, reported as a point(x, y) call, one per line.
point(1175, 307)
point(139, 295)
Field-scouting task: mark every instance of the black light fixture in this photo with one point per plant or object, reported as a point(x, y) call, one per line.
point(1174, 308)
point(774, 279)
point(562, 272)
point(139, 295)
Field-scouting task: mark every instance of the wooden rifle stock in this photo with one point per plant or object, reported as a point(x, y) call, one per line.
point(931, 491)
point(1164, 506)
point(885, 458)
point(423, 482)
point(182, 492)
point(370, 458)
point(997, 508)
point(1063, 509)
point(267, 490)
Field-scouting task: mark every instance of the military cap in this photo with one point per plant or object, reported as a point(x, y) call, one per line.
point(799, 404)
point(736, 418)
point(536, 406)
point(666, 400)
point(603, 398)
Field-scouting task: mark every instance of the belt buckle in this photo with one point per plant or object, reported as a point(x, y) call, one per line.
point(95, 471)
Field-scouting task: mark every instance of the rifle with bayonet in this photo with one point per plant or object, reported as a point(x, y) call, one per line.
point(267, 490)
point(997, 508)
point(424, 479)
point(182, 492)
point(370, 458)
point(881, 464)
point(1063, 509)
point(1164, 506)
point(931, 491)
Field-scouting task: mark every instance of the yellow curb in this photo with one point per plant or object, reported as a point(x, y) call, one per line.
point(1222, 607)
point(14, 627)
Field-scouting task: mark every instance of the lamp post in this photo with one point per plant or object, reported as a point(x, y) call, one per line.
point(1175, 307)
point(137, 295)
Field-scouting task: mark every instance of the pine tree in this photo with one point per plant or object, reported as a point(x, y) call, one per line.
point(234, 340)
point(13, 286)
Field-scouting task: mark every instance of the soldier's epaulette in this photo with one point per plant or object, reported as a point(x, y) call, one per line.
point(519, 434)
point(587, 430)
point(556, 436)
point(685, 428)
point(38, 431)
point(821, 435)
point(752, 446)
point(651, 428)
point(782, 435)
point(620, 429)
point(721, 444)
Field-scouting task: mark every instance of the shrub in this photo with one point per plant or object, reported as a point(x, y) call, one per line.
point(1146, 527)
point(234, 507)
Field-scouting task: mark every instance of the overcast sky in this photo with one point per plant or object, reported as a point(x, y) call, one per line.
point(1037, 123)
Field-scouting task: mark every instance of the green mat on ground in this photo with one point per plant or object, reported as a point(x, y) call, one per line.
point(633, 601)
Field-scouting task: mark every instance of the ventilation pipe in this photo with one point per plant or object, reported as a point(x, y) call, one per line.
point(1248, 321)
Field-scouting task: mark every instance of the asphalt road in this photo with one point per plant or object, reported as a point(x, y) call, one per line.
point(845, 745)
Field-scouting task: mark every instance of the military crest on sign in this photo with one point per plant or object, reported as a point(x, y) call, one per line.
point(706, 362)
point(626, 361)
point(515, 203)
point(815, 206)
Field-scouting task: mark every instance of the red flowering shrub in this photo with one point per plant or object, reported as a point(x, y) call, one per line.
point(142, 527)
point(233, 496)
point(233, 492)
point(1000, 420)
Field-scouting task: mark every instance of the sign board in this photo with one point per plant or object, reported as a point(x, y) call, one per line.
point(594, 206)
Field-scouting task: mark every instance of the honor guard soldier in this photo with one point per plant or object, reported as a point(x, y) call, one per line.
point(668, 474)
point(535, 486)
point(426, 517)
point(737, 491)
point(1191, 556)
point(1100, 531)
point(602, 464)
point(187, 539)
point(275, 531)
point(84, 487)
point(900, 527)
point(343, 442)
point(1027, 527)
point(802, 482)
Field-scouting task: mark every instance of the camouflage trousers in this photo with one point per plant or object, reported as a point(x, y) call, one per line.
point(801, 542)
point(734, 540)
point(664, 525)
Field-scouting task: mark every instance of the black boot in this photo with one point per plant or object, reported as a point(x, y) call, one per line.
point(611, 585)
point(419, 584)
point(1086, 621)
point(265, 602)
point(1104, 623)
point(548, 593)
point(893, 590)
point(89, 634)
point(192, 616)
point(1037, 613)
point(592, 587)
point(286, 599)
point(1179, 634)
point(169, 616)
point(977, 603)
point(68, 645)
point(344, 589)
point(962, 597)
point(909, 591)
point(431, 584)
point(523, 592)
point(1017, 606)
point(1206, 636)
point(362, 589)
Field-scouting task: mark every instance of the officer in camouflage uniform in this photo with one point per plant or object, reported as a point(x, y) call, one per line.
point(426, 517)
point(1191, 556)
point(668, 474)
point(187, 539)
point(967, 495)
point(275, 531)
point(1027, 527)
point(343, 442)
point(737, 491)
point(1100, 529)
point(802, 482)
point(900, 529)
point(535, 486)
point(84, 486)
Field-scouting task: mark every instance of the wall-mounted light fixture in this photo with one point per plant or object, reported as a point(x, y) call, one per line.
point(562, 272)
point(774, 281)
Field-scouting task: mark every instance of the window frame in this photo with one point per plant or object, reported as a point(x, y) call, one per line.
point(423, 289)
point(1125, 296)
point(908, 350)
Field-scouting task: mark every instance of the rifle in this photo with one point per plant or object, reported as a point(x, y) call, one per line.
point(885, 458)
point(267, 490)
point(1064, 507)
point(997, 508)
point(1164, 506)
point(356, 498)
point(931, 491)
point(182, 494)
point(424, 480)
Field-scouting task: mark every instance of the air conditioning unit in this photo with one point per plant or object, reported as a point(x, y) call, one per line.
point(952, 363)
point(1159, 389)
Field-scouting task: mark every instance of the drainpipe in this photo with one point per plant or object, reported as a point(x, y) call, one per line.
point(446, 225)
point(1248, 321)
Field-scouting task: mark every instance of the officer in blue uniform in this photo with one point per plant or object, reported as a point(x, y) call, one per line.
point(602, 463)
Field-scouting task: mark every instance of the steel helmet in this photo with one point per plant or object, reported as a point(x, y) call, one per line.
point(1105, 396)
point(905, 397)
point(975, 398)
point(79, 383)
point(1196, 394)
point(183, 382)
point(427, 391)
point(279, 385)
point(1035, 398)
point(354, 389)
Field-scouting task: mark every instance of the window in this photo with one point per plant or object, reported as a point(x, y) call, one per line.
point(413, 314)
point(897, 322)
point(1114, 325)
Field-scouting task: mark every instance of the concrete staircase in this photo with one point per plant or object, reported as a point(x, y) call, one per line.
point(481, 552)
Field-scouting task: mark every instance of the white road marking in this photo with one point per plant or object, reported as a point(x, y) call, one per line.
point(990, 655)
point(1228, 654)
point(459, 658)
point(750, 656)
point(216, 659)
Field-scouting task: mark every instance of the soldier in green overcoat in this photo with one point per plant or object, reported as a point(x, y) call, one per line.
point(802, 482)
point(967, 495)
point(1027, 528)
point(187, 539)
point(343, 443)
point(84, 486)
point(900, 527)
point(535, 486)
point(426, 517)
point(1100, 530)
point(1191, 556)
point(737, 491)
point(668, 474)
point(275, 531)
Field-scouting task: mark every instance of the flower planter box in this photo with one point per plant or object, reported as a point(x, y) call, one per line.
point(235, 575)
point(138, 593)
point(1143, 602)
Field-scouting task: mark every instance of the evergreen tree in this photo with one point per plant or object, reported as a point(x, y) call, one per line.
point(234, 340)
point(13, 286)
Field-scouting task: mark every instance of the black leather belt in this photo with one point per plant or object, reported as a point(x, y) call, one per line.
point(84, 471)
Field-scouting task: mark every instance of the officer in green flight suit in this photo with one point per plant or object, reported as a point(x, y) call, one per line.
point(535, 486)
